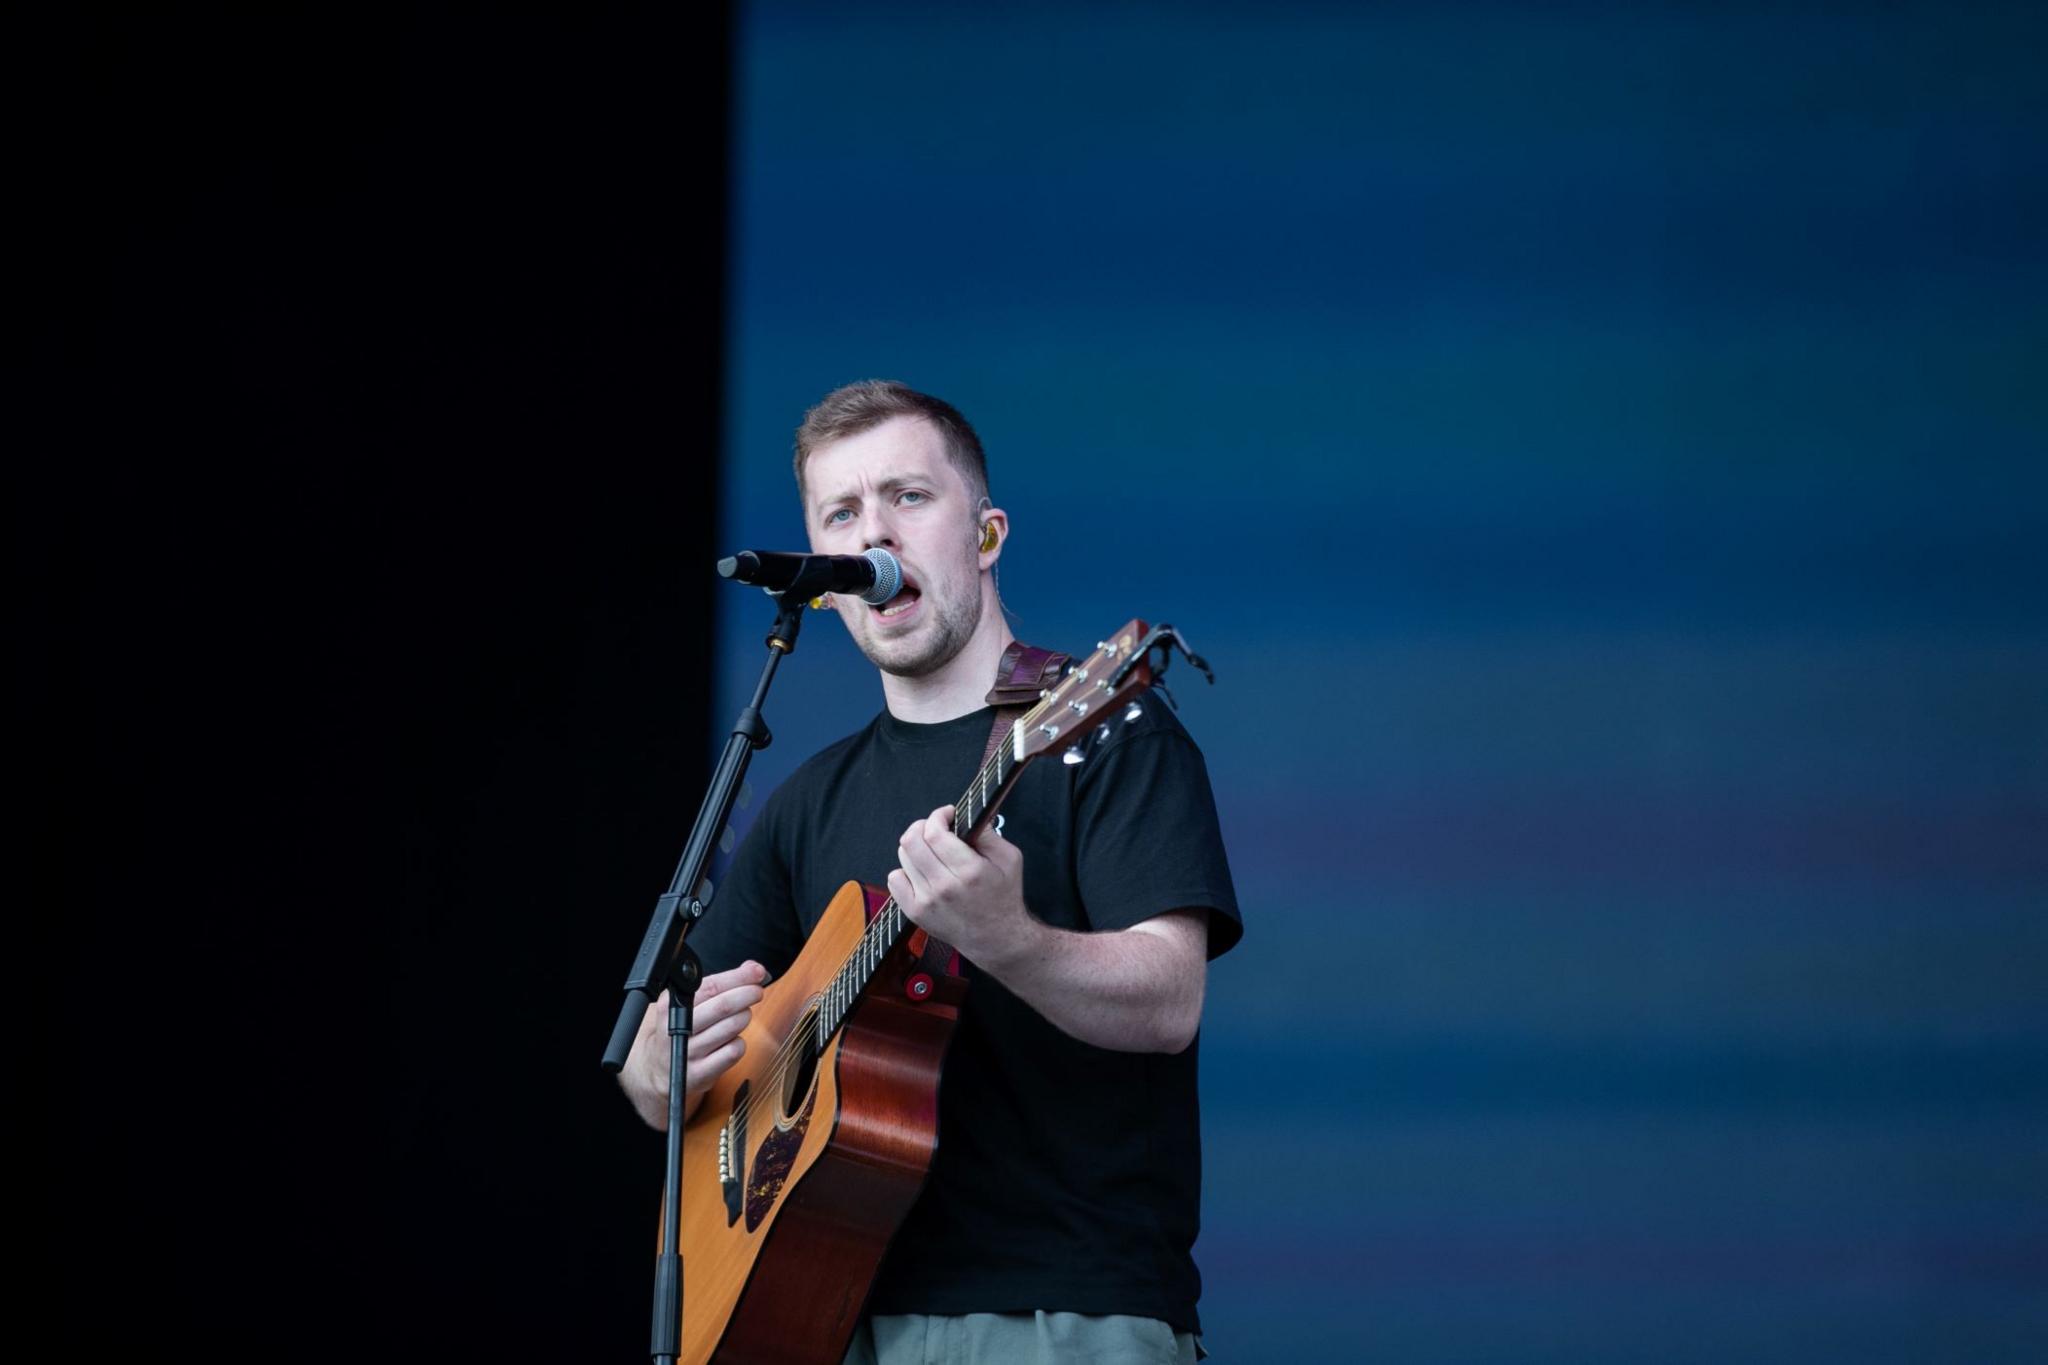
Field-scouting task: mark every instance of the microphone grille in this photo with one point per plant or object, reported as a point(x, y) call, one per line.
point(888, 577)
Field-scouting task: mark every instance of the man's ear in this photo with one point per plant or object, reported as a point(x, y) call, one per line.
point(994, 530)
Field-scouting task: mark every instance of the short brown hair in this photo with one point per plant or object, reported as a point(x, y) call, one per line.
point(855, 408)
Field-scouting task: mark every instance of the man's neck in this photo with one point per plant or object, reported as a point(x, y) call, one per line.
point(961, 685)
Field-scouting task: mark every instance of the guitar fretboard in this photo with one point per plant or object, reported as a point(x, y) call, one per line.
point(889, 925)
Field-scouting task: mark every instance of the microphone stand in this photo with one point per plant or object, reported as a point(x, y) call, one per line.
point(665, 961)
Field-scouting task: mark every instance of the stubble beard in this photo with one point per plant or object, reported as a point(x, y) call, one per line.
point(952, 625)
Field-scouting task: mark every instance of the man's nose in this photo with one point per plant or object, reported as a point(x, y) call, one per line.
point(877, 531)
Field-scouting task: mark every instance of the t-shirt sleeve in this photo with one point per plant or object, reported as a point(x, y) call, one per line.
point(1147, 839)
point(753, 913)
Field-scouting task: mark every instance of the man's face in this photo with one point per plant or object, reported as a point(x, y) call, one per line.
point(892, 486)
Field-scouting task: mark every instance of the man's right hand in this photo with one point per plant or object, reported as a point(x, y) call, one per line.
point(725, 1006)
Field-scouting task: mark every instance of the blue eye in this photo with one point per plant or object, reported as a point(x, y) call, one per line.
point(910, 493)
point(832, 518)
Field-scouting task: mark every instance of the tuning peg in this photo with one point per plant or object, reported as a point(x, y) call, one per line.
point(1102, 733)
point(1133, 712)
point(1073, 755)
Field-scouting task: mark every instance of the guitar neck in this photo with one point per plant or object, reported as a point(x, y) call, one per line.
point(971, 814)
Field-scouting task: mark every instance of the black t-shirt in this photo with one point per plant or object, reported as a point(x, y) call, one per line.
point(1068, 1177)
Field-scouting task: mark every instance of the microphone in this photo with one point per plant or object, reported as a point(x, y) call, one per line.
point(875, 576)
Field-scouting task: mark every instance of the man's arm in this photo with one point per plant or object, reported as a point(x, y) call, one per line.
point(1133, 990)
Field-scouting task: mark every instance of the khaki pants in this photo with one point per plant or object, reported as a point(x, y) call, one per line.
point(1019, 1339)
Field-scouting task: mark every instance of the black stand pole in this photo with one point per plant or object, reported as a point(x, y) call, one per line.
point(666, 1338)
point(665, 962)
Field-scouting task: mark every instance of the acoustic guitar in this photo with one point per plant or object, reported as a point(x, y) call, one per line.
point(806, 1155)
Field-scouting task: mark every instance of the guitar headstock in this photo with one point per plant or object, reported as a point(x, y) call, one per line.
point(1100, 692)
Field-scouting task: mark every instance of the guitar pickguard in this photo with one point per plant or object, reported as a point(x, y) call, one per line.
point(771, 1164)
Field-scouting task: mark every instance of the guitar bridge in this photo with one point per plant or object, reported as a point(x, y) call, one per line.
point(732, 1156)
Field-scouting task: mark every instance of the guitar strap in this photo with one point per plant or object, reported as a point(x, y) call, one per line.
point(1022, 676)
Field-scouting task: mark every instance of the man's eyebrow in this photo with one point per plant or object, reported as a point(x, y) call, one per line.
point(891, 484)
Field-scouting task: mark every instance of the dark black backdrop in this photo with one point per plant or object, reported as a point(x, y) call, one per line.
point(367, 599)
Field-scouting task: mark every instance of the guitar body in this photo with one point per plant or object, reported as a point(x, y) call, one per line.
point(786, 1212)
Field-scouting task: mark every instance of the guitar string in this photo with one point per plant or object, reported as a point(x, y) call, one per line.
point(792, 1046)
point(876, 930)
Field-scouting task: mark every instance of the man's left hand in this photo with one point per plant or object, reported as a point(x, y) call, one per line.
point(970, 895)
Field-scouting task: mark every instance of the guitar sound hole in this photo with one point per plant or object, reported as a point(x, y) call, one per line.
point(803, 1066)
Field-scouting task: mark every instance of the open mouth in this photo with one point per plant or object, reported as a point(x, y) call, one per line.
point(902, 603)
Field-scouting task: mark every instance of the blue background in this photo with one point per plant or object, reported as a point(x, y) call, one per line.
point(1601, 450)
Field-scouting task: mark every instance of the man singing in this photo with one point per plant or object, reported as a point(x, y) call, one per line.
point(1064, 1197)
